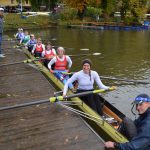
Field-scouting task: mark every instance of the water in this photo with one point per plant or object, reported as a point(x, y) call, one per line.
point(124, 54)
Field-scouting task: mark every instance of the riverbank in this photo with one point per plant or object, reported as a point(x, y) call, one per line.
point(14, 21)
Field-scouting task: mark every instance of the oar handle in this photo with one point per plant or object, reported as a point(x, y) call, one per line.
point(61, 98)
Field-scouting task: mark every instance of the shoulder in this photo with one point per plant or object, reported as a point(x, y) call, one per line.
point(79, 73)
point(94, 73)
point(67, 57)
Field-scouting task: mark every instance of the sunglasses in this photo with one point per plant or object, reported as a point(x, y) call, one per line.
point(139, 104)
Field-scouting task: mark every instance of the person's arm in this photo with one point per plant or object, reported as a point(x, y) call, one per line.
point(43, 46)
point(141, 140)
point(51, 63)
point(69, 81)
point(69, 61)
point(27, 44)
point(43, 54)
point(98, 81)
point(33, 48)
point(54, 51)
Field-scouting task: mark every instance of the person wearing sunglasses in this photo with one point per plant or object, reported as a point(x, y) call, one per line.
point(138, 132)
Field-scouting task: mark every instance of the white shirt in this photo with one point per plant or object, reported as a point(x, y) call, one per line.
point(84, 82)
point(60, 59)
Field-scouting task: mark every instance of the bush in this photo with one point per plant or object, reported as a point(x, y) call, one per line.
point(93, 12)
point(68, 14)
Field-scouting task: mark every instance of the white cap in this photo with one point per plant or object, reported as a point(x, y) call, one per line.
point(1, 9)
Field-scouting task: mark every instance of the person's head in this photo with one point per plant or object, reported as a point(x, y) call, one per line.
point(142, 102)
point(21, 30)
point(86, 64)
point(26, 33)
point(39, 41)
point(60, 51)
point(1, 12)
point(48, 46)
point(32, 36)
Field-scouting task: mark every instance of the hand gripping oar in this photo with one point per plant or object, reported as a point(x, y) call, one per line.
point(20, 62)
point(94, 54)
point(126, 80)
point(54, 99)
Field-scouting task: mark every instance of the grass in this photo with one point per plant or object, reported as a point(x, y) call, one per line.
point(14, 21)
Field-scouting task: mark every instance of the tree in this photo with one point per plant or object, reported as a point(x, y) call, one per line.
point(81, 5)
point(137, 8)
point(108, 7)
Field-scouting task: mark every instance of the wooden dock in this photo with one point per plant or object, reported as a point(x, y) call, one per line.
point(39, 127)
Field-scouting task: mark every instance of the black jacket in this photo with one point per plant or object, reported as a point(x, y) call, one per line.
point(142, 140)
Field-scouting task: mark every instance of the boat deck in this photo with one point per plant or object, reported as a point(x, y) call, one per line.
point(40, 127)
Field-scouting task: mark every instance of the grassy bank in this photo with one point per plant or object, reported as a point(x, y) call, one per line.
point(14, 21)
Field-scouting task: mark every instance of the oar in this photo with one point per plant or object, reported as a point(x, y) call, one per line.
point(126, 80)
point(54, 99)
point(93, 54)
point(20, 62)
point(18, 46)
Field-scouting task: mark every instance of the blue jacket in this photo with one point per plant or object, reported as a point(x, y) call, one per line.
point(142, 140)
point(1, 25)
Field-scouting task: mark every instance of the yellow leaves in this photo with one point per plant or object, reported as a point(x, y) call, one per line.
point(77, 3)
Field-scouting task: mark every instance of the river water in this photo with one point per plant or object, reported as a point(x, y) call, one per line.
point(124, 54)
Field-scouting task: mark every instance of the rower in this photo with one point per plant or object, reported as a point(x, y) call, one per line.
point(86, 78)
point(19, 35)
point(48, 54)
point(62, 64)
point(26, 38)
point(38, 48)
point(31, 42)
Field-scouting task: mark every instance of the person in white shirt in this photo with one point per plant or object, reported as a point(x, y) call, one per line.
point(86, 78)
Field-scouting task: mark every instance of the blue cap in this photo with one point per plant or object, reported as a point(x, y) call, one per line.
point(141, 98)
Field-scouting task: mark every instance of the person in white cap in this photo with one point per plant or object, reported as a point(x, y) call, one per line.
point(1, 30)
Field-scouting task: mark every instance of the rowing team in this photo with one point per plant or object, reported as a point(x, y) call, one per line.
point(59, 64)
point(85, 78)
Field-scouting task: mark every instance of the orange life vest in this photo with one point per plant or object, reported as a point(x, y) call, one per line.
point(39, 48)
point(61, 65)
point(49, 56)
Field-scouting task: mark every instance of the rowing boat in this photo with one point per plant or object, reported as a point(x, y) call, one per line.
point(105, 127)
